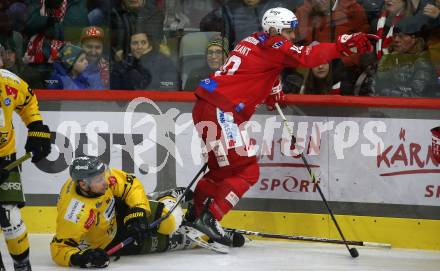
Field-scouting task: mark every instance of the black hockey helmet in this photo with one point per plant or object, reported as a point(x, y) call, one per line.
point(86, 167)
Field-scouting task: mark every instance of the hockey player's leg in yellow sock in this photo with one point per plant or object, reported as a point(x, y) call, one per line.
point(16, 236)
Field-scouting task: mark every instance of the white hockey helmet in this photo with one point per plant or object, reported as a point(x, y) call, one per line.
point(279, 18)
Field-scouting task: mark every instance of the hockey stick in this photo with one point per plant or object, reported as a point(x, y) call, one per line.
point(353, 251)
point(153, 224)
point(162, 218)
point(117, 247)
point(18, 161)
point(310, 239)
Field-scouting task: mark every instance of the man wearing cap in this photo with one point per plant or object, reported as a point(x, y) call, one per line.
point(216, 54)
point(92, 42)
point(407, 71)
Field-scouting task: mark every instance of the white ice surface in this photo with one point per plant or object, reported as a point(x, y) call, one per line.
point(256, 255)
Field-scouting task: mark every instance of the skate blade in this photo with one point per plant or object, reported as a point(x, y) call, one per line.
point(197, 237)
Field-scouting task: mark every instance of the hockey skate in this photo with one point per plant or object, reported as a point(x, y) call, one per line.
point(200, 239)
point(236, 239)
point(207, 224)
point(180, 241)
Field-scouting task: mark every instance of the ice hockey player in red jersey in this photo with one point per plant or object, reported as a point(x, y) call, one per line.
point(249, 77)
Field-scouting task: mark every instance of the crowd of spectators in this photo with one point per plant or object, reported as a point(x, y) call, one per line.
point(138, 44)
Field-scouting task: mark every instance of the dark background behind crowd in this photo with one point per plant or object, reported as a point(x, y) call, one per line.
point(170, 45)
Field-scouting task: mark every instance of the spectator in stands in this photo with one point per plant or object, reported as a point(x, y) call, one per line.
point(10, 38)
point(240, 18)
point(145, 67)
point(8, 58)
point(323, 79)
point(99, 12)
point(92, 42)
point(432, 32)
point(130, 15)
point(359, 80)
point(408, 71)
point(292, 80)
point(70, 70)
point(56, 19)
point(372, 8)
point(187, 14)
point(323, 20)
point(175, 18)
point(49, 24)
point(17, 11)
point(392, 12)
point(10, 61)
point(216, 54)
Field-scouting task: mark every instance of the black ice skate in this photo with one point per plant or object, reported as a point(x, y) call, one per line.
point(207, 224)
point(24, 265)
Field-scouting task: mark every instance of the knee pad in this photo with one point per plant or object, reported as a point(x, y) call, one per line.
point(172, 223)
point(11, 222)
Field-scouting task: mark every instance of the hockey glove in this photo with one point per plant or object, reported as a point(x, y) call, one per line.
point(90, 258)
point(137, 224)
point(38, 141)
point(276, 96)
point(357, 43)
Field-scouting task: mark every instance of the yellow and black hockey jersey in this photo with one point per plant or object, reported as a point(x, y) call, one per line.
point(92, 221)
point(15, 96)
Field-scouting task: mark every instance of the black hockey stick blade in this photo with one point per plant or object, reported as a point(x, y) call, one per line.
point(353, 252)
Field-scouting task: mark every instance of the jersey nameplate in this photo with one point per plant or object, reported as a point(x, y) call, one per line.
point(74, 210)
point(110, 210)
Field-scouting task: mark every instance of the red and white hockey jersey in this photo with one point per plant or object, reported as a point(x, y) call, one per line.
point(251, 70)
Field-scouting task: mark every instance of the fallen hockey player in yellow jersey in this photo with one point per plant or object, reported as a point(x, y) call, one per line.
point(99, 207)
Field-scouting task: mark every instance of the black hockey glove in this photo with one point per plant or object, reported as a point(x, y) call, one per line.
point(38, 141)
point(137, 224)
point(90, 258)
